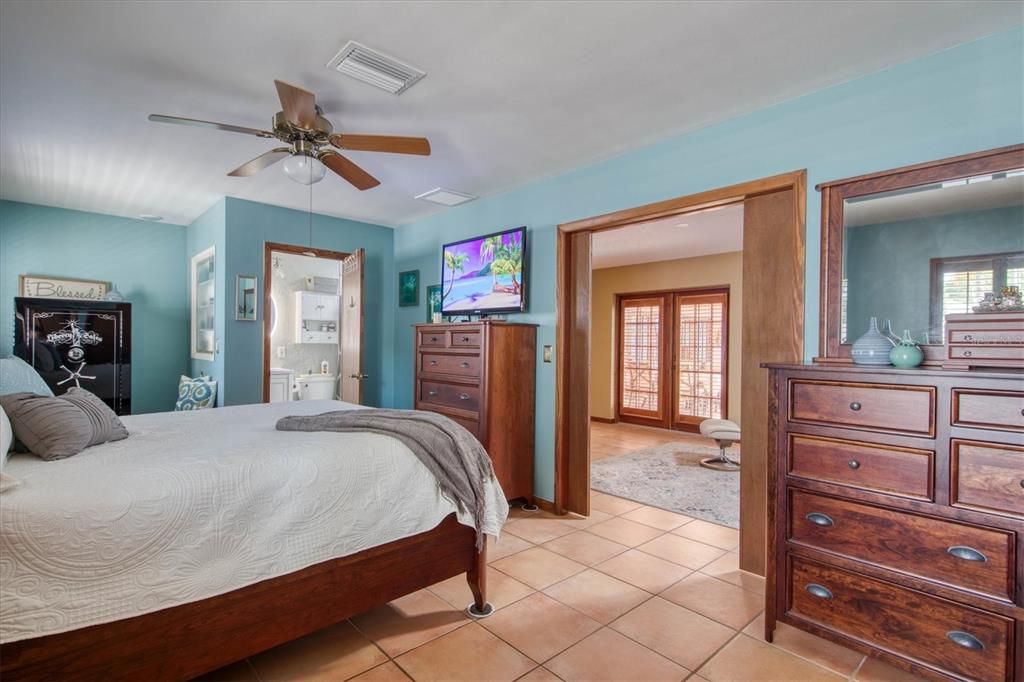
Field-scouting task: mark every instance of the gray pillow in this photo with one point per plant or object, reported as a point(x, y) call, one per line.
point(55, 428)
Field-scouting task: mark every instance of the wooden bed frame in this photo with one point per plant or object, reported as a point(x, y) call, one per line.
point(184, 641)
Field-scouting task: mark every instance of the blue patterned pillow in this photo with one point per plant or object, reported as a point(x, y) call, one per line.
point(196, 394)
point(17, 376)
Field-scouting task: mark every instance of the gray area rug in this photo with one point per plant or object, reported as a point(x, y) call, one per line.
point(669, 476)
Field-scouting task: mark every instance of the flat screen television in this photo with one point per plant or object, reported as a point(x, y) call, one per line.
point(485, 274)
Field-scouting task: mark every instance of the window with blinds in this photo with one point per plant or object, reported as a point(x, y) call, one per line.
point(641, 348)
point(959, 284)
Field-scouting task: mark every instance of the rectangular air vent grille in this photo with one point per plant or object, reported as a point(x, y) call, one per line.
point(445, 197)
point(375, 68)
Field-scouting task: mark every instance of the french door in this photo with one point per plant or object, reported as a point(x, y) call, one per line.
point(673, 357)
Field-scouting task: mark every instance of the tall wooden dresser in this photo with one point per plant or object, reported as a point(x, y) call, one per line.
point(482, 375)
point(896, 515)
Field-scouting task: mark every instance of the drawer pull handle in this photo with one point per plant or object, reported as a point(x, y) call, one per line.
point(855, 406)
point(433, 363)
point(966, 553)
point(968, 353)
point(819, 519)
point(463, 396)
point(820, 591)
point(965, 639)
point(465, 339)
point(465, 365)
point(433, 338)
point(431, 392)
point(853, 464)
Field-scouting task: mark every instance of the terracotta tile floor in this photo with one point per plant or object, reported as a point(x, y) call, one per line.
point(578, 605)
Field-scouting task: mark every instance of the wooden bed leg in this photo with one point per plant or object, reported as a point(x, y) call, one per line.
point(477, 579)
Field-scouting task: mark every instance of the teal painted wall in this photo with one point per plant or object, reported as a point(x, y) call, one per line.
point(209, 229)
point(249, 225)
point(962, 100)
point(890, 263)
point(145, 260)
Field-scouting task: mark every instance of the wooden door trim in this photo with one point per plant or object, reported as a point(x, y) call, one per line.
point(687, 204)
point(268, 261)
point(573, 309)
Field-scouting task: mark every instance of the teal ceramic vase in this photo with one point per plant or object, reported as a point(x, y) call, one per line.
point(872, 348)
point(906, 353)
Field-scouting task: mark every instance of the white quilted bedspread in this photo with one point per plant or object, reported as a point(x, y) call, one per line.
point(195, 504)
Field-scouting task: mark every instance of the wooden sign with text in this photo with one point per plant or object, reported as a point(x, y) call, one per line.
point(38, 286)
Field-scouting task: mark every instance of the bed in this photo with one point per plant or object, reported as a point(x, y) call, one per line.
point(208, 536)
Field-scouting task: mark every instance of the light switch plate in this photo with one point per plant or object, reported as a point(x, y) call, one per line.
point(280, 351)
point(547, 353)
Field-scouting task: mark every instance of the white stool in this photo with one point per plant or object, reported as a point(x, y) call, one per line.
point(725, 433)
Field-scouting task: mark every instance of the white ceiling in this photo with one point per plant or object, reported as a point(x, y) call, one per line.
point(934, 200)
point(716, 230)
point(514, 90)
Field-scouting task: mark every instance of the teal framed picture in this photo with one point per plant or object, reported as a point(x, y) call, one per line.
point(433, 301)
point(408, 288)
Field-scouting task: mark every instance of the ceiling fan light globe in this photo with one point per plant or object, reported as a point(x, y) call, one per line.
point(304, 170)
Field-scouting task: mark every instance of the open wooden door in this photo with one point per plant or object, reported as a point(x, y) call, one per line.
point(351, 370)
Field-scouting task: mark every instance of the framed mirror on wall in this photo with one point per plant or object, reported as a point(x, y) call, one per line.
point(912, 245)
point(245, 297)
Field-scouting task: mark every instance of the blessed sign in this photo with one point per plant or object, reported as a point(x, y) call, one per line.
point(38, 286)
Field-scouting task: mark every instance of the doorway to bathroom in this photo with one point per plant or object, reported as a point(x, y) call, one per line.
point(313, 326)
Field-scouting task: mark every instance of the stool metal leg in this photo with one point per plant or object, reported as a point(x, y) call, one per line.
point(723, 462)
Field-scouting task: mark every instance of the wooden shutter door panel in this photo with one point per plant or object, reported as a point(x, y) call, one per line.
point(351, 369)
point(643, 359)
point(700, 349)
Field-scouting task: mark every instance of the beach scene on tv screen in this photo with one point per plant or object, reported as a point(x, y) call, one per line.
point(483, 274)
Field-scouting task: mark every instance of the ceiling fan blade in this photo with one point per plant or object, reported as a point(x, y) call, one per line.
point(299, 105)
point(359, 178)
point(382, 143)
point(260, 162)
point(160, 118)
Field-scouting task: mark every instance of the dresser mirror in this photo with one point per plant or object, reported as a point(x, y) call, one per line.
point(912, 245)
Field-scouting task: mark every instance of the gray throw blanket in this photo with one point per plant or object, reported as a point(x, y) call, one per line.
point(451, 453)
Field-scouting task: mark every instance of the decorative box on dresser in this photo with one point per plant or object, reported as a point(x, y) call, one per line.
point(482, 375)
point(896, 514)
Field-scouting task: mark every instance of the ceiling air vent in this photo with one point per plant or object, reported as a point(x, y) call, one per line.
point(445, 197)
point(375, 68)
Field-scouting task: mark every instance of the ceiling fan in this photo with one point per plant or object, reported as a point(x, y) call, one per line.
point(309, 137)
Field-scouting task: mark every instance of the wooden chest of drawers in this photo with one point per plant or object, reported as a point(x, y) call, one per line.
point(896, 515)
point(482, 375)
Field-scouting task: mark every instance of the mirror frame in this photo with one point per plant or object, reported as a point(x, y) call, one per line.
point(255, 296)
point(834, 193)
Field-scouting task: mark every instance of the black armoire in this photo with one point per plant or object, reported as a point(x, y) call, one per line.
point(72, 343)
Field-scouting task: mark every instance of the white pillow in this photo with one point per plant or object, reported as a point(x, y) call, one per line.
point(6, 437)
point(6, 441)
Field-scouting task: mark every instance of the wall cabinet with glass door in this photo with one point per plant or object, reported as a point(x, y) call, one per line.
point(204, 300)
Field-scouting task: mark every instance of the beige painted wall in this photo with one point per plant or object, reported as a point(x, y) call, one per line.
point(684, 273)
